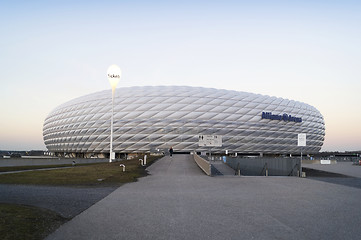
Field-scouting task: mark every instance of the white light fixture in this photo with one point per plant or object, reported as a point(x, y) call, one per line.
point(114, 73)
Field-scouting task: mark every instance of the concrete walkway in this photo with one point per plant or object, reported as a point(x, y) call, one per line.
point(345, 168)
point(179, 202)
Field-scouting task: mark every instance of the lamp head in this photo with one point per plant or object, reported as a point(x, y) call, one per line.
point(114, 74)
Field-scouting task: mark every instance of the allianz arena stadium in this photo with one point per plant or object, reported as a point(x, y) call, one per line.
point(149, 119)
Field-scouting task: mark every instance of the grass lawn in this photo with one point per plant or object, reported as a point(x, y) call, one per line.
point(97, 174)
point(25, 222)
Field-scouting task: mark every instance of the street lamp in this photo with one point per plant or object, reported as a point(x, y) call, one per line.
point(113, 74)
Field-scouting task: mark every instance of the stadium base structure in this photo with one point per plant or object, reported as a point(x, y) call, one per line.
point(152, 119)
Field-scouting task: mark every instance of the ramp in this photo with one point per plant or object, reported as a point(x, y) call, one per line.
point(221, 169)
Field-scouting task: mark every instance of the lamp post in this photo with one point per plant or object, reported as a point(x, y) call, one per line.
point(113, 74)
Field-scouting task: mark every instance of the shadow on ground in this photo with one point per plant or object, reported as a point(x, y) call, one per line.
point(66, 201)
point(334, 178)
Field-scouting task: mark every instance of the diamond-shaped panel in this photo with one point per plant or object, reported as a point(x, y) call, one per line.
point(159, 117)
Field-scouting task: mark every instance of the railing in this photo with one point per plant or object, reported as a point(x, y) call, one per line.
point(293, 170)
point(264, 171)
point(202, 164)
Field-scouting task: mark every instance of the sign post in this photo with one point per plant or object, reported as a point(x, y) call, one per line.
point(301, 143)
point(210, 141)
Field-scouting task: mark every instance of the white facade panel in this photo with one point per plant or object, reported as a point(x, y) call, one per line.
point(148, 118)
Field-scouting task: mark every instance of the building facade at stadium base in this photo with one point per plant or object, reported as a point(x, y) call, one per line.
point(151, 119)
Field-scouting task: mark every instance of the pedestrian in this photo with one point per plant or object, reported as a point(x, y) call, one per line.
point(171, 151)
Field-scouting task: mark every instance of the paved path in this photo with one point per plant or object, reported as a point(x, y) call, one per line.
point(179, 202)
point(345, 168)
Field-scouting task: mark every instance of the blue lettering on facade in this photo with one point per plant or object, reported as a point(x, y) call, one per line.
point(285, 117)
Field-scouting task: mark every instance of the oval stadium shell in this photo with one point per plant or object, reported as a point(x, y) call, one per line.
point(148, 119)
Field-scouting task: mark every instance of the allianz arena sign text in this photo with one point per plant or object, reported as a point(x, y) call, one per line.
point(285, 117)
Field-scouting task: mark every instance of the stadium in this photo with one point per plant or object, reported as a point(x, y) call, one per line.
point(151, 119)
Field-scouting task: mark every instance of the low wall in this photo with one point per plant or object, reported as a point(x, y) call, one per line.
point(257, 166)
point(203, 164)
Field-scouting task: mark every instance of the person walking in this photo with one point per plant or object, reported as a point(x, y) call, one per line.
point(170, 151)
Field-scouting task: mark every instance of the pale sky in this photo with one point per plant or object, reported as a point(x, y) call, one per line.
point(54, 51)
